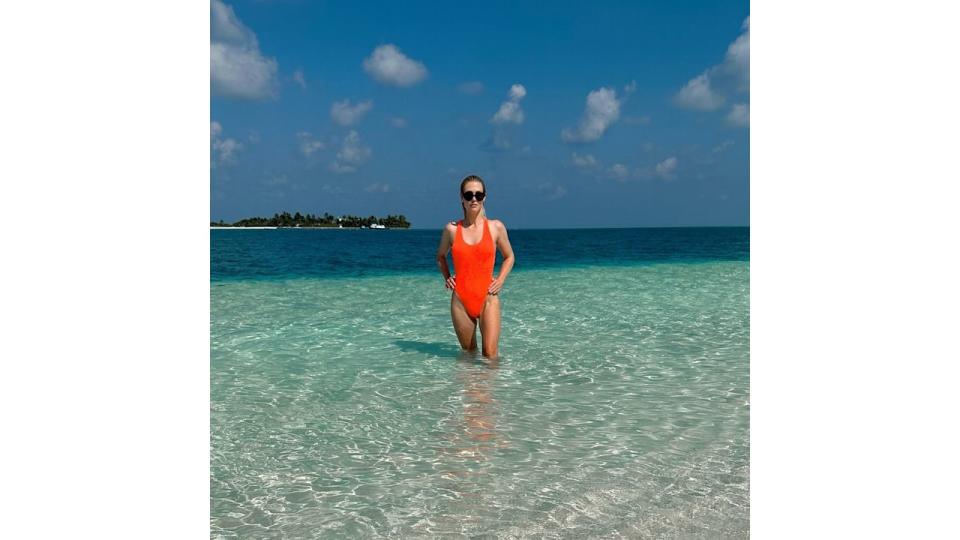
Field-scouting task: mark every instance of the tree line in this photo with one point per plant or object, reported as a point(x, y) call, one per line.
point(285, 219)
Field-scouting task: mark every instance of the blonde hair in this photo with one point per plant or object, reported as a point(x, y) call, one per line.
point(472, 178)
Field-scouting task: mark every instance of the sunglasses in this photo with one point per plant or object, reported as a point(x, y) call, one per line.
point(469, 195)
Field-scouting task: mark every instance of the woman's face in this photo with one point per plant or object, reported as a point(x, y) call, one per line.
point(473, 186)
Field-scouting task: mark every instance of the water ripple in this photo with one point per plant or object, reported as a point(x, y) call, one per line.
point(619, 408)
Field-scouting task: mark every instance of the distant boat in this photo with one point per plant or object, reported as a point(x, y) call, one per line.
point(377, 226)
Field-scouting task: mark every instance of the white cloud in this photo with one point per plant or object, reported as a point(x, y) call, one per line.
point(592, 167)
point(630, 88)
point(237, 67)
point(697, 94)
point(739, 115)
point(225, 27)
point(722, 146)
point(737, 61)
point(346, 115)
point(603, 109)
point(667, 168)
point(510, 111)
point(388, 65)
point(300, 79)
point(309, 145)
point(471, 88)
point(551, 191)
point(224, 150)
point(707, 91)
point(351, 155)
point(619, 171)
point(585, 162)
point(398, 122)
point(377, 187)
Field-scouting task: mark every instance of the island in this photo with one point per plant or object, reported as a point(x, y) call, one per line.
point(298, 220)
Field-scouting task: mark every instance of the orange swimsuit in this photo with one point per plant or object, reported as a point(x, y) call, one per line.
point(473, 265)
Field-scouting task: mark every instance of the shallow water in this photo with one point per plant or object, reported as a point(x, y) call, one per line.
point(619, 406)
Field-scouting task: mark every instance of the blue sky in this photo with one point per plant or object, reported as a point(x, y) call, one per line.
point(607, 114)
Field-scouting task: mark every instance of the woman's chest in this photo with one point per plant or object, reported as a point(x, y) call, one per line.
point(479, 236)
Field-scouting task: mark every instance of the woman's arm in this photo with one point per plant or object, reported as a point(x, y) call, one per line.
point(446, 240)
point(503, 242)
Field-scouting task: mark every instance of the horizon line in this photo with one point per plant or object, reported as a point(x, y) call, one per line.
point(511, 228)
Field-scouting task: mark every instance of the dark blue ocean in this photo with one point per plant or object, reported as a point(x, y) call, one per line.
point(318, 253)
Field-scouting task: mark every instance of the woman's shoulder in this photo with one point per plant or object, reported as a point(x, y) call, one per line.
point(496, 223)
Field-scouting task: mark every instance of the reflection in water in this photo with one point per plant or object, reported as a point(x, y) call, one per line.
point(477, 435)
point(472, 439)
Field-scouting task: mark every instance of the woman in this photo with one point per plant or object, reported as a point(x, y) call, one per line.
point(475, 291)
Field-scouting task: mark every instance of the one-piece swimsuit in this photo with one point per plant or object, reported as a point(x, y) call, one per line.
point(473, 265)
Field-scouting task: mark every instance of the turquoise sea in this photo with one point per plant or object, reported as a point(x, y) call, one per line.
point(342, 407)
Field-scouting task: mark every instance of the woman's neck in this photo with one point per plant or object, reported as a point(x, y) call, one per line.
point(469, 220)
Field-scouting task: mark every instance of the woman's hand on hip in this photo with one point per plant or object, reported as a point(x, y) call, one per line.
point(451, 283)
point(495, 286)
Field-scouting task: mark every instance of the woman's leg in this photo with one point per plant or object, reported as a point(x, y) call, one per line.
point(490, 325)
point(463, 325)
